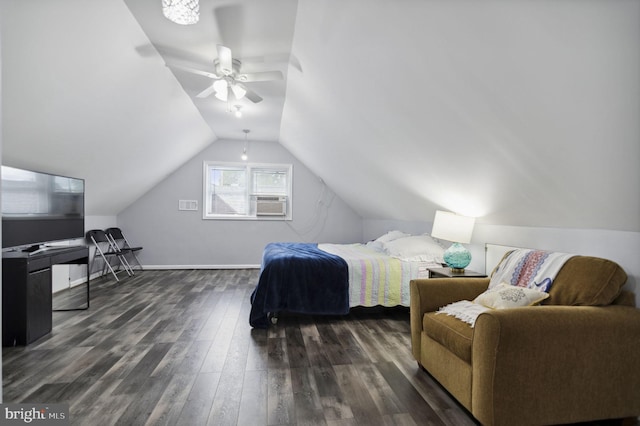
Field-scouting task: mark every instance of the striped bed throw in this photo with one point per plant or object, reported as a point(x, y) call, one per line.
point(376, 278)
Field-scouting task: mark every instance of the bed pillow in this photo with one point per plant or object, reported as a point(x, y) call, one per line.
point(421, 248)
point(390, 236)
point(505, 296)
point(375, 245)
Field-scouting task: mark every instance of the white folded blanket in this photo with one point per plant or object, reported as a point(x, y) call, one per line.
point(464, 310)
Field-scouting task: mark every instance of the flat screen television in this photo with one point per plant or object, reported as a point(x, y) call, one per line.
point(39, 208)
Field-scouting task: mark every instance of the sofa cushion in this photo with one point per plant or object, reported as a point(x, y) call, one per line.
point(450, 332)
point(587, 281)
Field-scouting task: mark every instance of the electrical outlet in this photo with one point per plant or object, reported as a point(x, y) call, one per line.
point(188, 205)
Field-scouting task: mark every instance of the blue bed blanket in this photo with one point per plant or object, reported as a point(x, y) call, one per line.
point(300, 278)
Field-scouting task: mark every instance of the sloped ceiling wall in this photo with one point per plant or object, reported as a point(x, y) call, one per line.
point(259, 35)
point(79, 100)
point(519, 112)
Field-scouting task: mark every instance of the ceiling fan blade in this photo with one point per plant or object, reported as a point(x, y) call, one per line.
point(252, 96)
point(225, 59)
point(230, 22)
point(147, 50)
point(206, 92)
point(169, 52)
point(261, 76)
point(194, 71)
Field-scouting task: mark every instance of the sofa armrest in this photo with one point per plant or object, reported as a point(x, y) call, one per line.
point(427, 295)
point(556, 364)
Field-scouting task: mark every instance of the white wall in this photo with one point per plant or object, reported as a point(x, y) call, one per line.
point(522, 112)
point(105, 106)
point(373, 228)
point(173, 238)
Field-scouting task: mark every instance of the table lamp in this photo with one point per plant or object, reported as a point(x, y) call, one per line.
point(457, 229)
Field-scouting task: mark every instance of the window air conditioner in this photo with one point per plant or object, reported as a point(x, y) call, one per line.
point(269, 205)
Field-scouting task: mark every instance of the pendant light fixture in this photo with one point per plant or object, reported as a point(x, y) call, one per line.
point(244, 156)
point(183, 12)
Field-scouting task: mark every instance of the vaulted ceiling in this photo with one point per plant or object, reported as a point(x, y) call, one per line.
point(521, 113)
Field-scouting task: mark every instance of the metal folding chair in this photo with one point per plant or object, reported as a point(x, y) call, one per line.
point(121, 243)
point(105, 250)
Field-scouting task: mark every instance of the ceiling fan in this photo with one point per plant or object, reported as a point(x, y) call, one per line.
point(229, 79)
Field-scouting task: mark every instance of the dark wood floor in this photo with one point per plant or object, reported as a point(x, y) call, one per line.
point(175, 348)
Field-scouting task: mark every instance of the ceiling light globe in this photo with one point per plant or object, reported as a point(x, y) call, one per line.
point(221, 89)
point(238, 91)
point(183, 12)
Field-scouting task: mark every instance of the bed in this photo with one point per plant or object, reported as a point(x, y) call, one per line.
point(330, 279)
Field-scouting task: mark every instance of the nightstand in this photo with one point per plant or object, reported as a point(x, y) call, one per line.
point(447, 273)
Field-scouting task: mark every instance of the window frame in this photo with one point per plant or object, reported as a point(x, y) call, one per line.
point(249, 196)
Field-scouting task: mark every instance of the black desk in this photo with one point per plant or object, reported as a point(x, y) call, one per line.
point(27, 300)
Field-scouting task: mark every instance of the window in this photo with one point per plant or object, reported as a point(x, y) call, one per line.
point(247, 191)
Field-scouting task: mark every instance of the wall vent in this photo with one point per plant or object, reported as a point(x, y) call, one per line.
point(189, 205)
point(267, 205)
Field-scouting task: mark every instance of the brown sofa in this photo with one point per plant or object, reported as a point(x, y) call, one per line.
point(575, 358)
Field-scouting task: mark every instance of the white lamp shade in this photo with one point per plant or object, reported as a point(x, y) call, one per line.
point(452, 227)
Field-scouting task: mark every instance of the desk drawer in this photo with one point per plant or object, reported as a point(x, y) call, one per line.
point(38, 263)
point(69, 256)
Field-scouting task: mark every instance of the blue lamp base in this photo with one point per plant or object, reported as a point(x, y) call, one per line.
point(457, 257)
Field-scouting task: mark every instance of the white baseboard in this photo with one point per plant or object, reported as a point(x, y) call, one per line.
point(161, 267)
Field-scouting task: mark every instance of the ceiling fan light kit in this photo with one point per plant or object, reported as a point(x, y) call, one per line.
point(183, 12)
point(228, 76)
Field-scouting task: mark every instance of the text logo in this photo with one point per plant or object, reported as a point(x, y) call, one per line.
point(34, 414)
